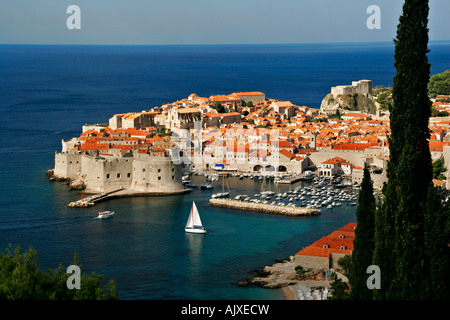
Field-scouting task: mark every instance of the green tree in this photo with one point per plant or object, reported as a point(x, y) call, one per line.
point(339, 290)
point(403, 249)
point(219, 107)
point(436, 245)
point(439, 84)
point(21, 279)
point(363, 244)
point(438, 168)
point(345, 263)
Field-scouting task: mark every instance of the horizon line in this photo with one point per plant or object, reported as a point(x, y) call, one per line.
point(210, 44)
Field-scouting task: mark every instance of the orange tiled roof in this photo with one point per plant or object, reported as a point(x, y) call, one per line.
point(332, 243)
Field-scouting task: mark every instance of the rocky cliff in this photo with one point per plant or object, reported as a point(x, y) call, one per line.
point(348, 102)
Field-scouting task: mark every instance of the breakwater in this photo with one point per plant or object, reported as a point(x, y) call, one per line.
point(262, 207)
point(119, 193)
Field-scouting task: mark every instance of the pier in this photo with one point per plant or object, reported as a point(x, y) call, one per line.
point(266, 208)
point(121, 192)
point(90, 201)
point(290, 180)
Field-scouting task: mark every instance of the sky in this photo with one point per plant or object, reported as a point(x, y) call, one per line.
point(207, 21)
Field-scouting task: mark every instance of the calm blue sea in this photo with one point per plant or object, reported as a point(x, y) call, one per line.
point(48, 92)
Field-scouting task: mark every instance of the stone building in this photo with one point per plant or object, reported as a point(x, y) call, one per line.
point(146, 172)
point(219, 119)
point(254, 96)
point(285, 108)
point(357, 87)
point(326, 252)
point(137, 120)
point(182, 118)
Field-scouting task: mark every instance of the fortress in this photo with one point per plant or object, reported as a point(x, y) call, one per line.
point(358, 87)
point(137, 173)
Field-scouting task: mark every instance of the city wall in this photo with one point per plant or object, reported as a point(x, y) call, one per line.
point(67, 165)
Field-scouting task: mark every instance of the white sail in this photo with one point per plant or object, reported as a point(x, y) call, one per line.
point(190, 223)
point(194, 217)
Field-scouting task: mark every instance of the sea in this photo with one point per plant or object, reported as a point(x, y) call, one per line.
point(48, 92)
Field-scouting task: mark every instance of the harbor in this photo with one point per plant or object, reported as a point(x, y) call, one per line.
point(309, 195)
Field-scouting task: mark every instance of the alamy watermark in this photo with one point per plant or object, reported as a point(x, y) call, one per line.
point(374, 21)
point(74, 20)
point(374, 281)
point(74, 280)
point(258, 146)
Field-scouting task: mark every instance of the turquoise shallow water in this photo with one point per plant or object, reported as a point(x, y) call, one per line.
point(48, 92)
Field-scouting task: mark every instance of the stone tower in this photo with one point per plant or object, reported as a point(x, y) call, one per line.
point(313, 143)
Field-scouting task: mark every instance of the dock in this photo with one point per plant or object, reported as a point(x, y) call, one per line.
point(90, 201)
point(290, 180)
point(262, 207)
point(119, 193)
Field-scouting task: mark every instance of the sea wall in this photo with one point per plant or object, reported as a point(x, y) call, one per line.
point(67, 165)
point(156, 174)
point(266, 208)
point(103, 175)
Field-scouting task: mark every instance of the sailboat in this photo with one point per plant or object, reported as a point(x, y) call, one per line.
point(268, 192)
point(222, 194)
point(194, 223)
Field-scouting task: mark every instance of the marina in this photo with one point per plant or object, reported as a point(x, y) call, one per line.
point(311, 194)
point(317, 193)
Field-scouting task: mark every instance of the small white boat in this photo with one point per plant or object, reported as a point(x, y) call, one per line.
point(105, 214)
point(220, 195)
point(194, 223)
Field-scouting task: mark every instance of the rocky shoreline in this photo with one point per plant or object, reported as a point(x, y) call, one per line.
point(297, 283)
point(281, 274)
point(74, 184)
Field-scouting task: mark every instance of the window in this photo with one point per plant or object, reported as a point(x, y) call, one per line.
point(128, 175)
point(173, 177)
point(159, 178)
point(325, 246)
point(159, 170)
point(118, 175)
point(343, 248)
point(143, 170)
point(107, 176)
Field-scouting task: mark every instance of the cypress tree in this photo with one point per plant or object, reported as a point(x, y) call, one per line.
point(404, 242)
point(437, 240)
point(363, 244)
point(409, 149)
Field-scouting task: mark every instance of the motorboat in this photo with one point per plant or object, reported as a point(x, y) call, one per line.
point(105, 214)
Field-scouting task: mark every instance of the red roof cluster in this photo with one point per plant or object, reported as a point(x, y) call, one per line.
point(339, 241)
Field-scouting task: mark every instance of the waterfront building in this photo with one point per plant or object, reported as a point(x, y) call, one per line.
point(326, 252)
point(274, 135)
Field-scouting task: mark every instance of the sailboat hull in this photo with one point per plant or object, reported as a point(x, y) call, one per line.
point(194, 230)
